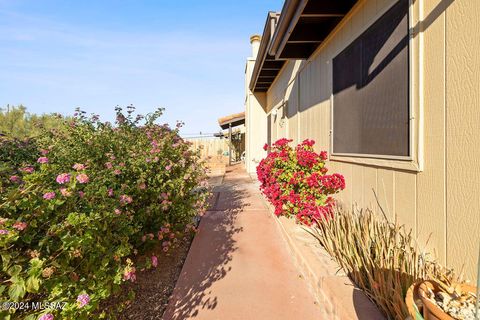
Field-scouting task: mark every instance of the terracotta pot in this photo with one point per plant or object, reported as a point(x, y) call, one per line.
point(412, 300)
point(430, 310)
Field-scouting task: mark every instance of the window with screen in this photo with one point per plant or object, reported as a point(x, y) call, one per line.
point(371, 89)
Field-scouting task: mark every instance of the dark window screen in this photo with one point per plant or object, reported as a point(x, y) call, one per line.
point(370, 89)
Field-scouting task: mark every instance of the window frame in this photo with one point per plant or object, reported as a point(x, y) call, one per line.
point(414, 161)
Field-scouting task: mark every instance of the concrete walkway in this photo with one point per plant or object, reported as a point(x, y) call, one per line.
point(238, 266)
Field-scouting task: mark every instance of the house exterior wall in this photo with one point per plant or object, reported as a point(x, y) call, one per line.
point(255, 123)
point(436, 192)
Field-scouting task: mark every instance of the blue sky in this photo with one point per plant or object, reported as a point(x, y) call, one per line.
point(187, 56)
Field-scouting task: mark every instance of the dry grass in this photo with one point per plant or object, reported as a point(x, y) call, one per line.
point(382, 258)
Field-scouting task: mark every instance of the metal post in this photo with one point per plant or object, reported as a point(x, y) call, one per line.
point(230, 144)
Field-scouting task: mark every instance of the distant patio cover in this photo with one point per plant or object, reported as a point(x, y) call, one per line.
point(235, 120)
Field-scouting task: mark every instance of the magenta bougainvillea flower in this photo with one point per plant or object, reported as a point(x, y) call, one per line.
point(82, 178)
point(294, 180)
point(63, 178)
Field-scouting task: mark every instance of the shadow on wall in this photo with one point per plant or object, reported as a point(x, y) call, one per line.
point(209, 257)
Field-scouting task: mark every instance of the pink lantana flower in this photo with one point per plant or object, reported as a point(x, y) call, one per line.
point(3, 231)
point(117, 211)
point(63, 178)
point(42, 160)
point(15, 179)
point(81, 194)
point(154, 261)
point(117, 172)
point(47, 316)
point(124, 199)
point(49, 195)
point(83, 300)
point(79, 166)
point(65, 192)
point(27, 169)
point(82, 178)
point(109, 165)
point(169, 167)
point(110, 192)
point(20, 225)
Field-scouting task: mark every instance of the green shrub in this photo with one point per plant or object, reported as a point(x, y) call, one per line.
point(97, 195)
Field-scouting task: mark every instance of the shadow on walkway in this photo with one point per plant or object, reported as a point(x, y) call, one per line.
point(210, 254)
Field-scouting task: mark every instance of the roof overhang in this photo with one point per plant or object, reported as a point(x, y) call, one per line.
point(233, 120)
point(295, 33)
point(304, 24)
point(266, 67)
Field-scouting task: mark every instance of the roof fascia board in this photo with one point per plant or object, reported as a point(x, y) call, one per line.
point(291, 25)
point(262, 50)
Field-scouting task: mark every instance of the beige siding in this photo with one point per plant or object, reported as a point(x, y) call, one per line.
point(431, 208)
point(463, 131)
point(438, 196)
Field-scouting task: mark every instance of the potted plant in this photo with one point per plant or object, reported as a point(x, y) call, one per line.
point(443, 299)
point(413, 302)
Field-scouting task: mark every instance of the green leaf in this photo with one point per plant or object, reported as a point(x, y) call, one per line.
point(33, 284)
point(14, 270)
point(17, 289)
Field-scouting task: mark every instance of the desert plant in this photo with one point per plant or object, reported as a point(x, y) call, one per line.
point(380, 257)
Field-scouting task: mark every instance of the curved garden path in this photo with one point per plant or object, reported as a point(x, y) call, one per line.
point(238, 266)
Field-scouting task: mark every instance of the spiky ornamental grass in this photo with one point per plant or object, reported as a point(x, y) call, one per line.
point(380, 257)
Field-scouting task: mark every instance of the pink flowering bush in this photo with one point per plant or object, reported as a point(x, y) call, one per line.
point(87, 198)
point(296, 182)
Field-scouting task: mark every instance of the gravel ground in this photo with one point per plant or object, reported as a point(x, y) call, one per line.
point(152, 288)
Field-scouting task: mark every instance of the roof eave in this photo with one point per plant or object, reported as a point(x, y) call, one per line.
point(263, 49)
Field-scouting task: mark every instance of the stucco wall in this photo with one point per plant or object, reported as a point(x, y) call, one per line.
point(255, 123)
point(437, 193)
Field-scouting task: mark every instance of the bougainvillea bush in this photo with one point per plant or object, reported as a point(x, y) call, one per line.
point(296, 182)
point(97, 194)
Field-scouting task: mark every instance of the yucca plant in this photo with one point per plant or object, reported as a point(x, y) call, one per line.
point(380, 257)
